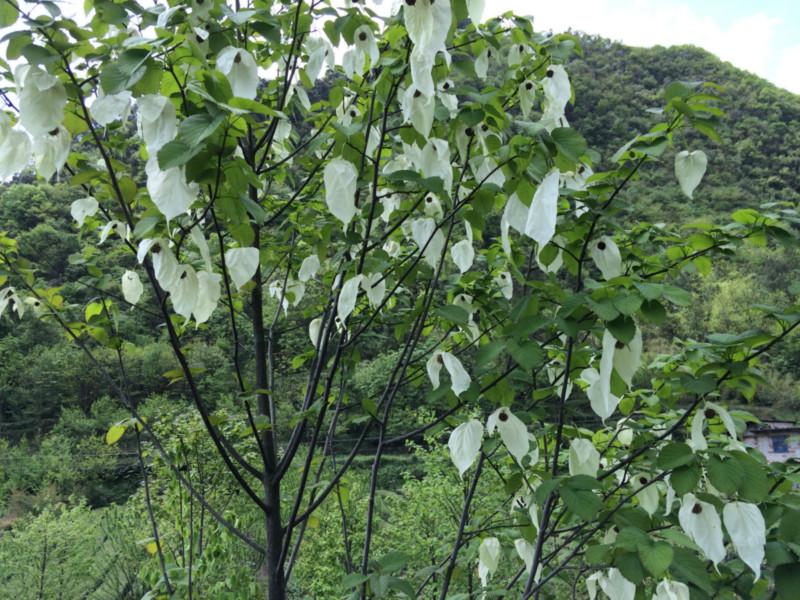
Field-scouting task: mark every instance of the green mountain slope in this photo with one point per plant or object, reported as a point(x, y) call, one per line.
point(759, 158)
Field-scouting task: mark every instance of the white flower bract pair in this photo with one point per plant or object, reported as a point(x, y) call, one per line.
point(459, 378)
point(42, 98)
point(341, 179)
point(743, 521)
point(689, 169)
point(240, 68)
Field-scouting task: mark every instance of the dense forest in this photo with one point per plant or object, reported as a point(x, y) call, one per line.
point(73, 516)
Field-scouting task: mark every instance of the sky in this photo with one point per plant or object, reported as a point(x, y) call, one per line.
point(760, 36)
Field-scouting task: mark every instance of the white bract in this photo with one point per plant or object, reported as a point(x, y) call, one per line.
point(82, 208)
point(527, 96)
point(184, 292)
point(475, 10)
point(429, 239)
point(482, 63)
point(647, 495)
point(488, 556)
point(51, 150)
point(701, 522)
point(512, 431)
point(540, 223)
point(118, 227)
point(314, 328)
point(208, 294)
point(433, 206)
point(241, 264)
point(584, 459)
point(602, 401)
point(697, 438)
point(341, 178)
point(199, 240)
point(308, 268)
point(157, 121)
point(463, 255)
point(374, 284)
point(671, 590)
point(465, 444)
point(506, 284)
point(364, 40)
point(241, 70)
point(557, 93)
point(165, 265)
point(526, 552)
point(169, 189)
point(747, 530)
point(15, 148)
point(320, 54)
point(427, 23)
point(9, 298)
point(689, 169)
point(112, 107)
point(459, 378)
point(450, 101)
point(628, 358)
point(132, 287)
point(418, 109)
point(348, 297)
point(42, 98)
point(606, 256)
point(615, 586)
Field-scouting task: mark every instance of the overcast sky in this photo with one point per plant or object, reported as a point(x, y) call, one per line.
point(761, 36)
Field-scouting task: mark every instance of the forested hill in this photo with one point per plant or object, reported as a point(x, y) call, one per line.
point(758, 159)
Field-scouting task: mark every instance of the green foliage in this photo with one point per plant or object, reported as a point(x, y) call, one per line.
point(256, 396)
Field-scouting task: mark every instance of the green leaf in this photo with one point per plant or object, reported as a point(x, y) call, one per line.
point(623, 328)
point(8, 14)
point(351, 580)
point(656, 557)
point(687, 567)
point(754, 486)
point(629, 565)
point(787, 580)
point(569, 142)
point(393, 561)
point(598, 554)
point(677, 295)
point(653, 311)
point(93, 309)
point(114, 433)
point(675, 454)
point(176, 154)
point(123, 73)
point(527, 354)
point(725, 475)
point(684, 479)
point(630, 538)
point(488, 352)
point(790, 526)
point(583, 503)
point(453, 314)
point(196, 128)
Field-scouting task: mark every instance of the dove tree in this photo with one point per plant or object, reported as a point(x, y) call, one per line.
point(409, 174)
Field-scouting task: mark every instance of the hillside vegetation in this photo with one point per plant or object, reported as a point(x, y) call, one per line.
point(58, 477)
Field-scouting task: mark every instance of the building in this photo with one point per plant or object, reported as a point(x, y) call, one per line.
point(779, 441)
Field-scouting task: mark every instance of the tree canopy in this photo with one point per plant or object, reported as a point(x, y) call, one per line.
point(295, 244)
